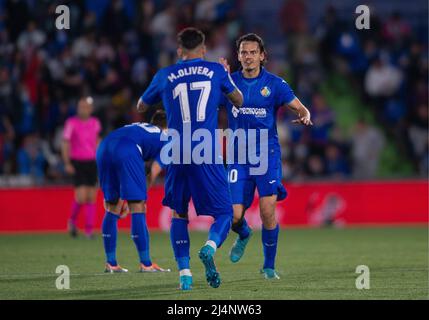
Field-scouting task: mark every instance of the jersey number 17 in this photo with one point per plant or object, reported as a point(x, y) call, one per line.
point(181, 91)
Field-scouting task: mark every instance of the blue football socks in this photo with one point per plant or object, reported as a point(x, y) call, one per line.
point(269, 243)
point(110, 234)
point(179, 237)
point(241, 228)
point(220, 228)
point(140, 236)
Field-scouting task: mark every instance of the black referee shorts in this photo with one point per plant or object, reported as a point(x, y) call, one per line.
point(85, 173)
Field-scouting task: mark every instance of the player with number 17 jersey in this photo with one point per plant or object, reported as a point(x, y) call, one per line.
point(191, 91)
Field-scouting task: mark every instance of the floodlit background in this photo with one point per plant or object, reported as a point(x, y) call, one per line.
point(367, 89)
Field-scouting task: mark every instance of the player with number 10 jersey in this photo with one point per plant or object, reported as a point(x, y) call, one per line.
point(264, 93)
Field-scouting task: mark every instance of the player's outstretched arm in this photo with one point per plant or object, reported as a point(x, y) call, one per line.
point(141, 106)
point(304, 116)
point(155, 170)
point(236, 97)
point(225, 63)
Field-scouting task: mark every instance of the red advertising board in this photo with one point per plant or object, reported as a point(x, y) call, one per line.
point(308, 204)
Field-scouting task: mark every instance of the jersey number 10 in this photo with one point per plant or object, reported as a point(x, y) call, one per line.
point(181, 91)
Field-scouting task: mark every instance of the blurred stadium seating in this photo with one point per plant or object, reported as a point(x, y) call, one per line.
point(365, 126)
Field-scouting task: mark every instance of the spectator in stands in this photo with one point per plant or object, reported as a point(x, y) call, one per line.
point(350, 49)
point(31, 38)
point(18, 14)
point(327, 32)
point(336, 163)
point(396, 31)
point(367, 145)
point(115, 20)
point(6, 88)
point(315, 166)
point(217, 44)
point(292, 13)
point(85, 45)
point(205, 10)
point(163, 29)
point(324, 120)
point(302, 51)
point(30, 159)
point(418, 134)
point(382, 82)
point(382, 79)
point(7, 134)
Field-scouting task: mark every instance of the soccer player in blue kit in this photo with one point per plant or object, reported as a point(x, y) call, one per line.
point(191, 91)
point(264, 93)
point(121, 171)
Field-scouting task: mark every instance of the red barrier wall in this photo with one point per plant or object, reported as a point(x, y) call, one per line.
point(397, 202)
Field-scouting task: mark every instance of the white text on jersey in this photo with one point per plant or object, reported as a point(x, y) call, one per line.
point(189, 71)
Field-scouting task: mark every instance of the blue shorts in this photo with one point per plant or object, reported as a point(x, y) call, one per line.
point(121, 170)
point(207, 184)
point(243, 184)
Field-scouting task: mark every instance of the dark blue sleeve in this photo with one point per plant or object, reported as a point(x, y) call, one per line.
point(152, 95)
point(226, 82)
point(285, 94)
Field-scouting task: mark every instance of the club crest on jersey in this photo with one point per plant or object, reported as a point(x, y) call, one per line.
point(265, 92)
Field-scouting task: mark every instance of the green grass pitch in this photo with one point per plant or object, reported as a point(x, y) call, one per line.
point(312, 263)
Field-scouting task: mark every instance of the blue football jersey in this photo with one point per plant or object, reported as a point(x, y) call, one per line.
point(191, 91)
point(146, 136)
point(263, 96)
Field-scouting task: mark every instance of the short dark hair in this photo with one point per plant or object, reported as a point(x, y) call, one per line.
point(159, 119)
point(190, 38)
point(253, 37)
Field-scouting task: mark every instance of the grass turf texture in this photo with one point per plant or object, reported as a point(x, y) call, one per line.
point(312, 263)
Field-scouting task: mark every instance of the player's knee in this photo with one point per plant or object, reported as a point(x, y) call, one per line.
point(179, 215)
point(137, 206)
point(268, 217)
point(80, 198)
point(91, 195)
point(113, 206)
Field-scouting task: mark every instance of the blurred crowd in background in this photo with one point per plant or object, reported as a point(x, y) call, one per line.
point(367, 89)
